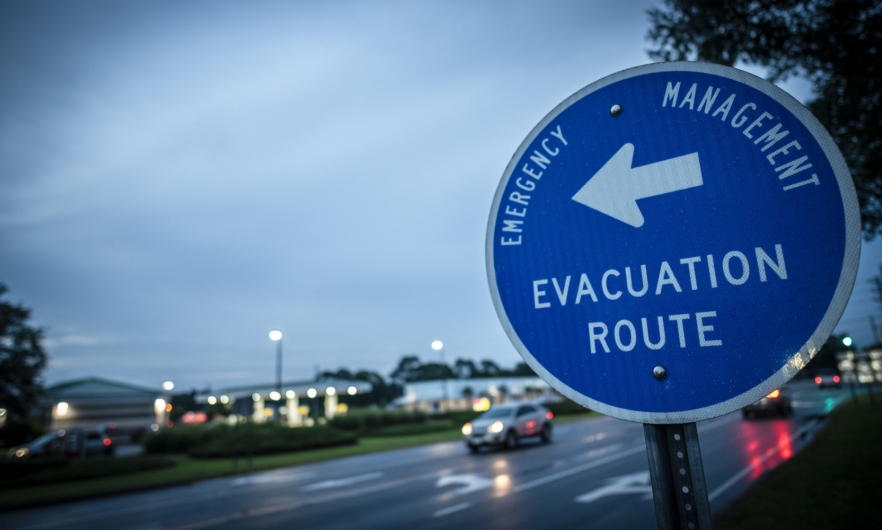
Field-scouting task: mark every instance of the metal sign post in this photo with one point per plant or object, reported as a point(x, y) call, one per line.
point(670, 244)
point(678, 487)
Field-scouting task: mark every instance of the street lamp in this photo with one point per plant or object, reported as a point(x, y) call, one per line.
point(168, 385)
point(847, 341)
point(277, 337)
point(438, 346)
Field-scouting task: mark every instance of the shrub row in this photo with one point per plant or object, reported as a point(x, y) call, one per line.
point(369, 420)
point(180, 438)
point(565, 407)
point(461, 417)
point(409, 429)
point(223, 441)
point(41, 471)
point(561, 408)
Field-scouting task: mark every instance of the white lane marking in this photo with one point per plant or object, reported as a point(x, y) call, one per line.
point(297, 503)
point(623, 485)
point(578, 469)
point(743, 473)
point(470, 483)
point(594, 453)
point(611, 458)
point(595, 437)
point(274, 478)
point(340, 482)
point(452, 509)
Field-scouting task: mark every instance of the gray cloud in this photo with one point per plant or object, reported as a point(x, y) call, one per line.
point(185, 177)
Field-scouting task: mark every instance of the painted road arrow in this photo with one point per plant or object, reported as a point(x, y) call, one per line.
point(469, 482)
point(615, 189)
point(634, 483)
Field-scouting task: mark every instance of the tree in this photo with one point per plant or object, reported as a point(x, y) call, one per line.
point(432, 371)
point(21, 358)
point(491, 369)
point(465, 368)
point(523, 370)
point(835, 44)
point(411, 369)
point(381, 394)
point(408, 369)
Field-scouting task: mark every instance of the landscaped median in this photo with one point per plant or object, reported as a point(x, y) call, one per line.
point(835, 482)
point(182, 455)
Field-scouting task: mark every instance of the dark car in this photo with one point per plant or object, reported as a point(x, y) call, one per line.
point(505, 425)
point(69, 443)
point(826, 377)
point(777, 403)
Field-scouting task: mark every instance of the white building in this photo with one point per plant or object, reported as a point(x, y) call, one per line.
point(477, 394)
point(94, 402)
point(266, 402)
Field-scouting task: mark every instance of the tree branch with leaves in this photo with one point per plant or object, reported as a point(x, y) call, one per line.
point(834, 44)
point(22, 358)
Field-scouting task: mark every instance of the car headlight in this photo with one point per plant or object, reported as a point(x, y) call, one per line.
point(467, 429)
point(23, 452)
point(495, 427)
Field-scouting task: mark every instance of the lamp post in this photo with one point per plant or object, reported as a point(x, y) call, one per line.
point(438, 346)
point(277, 337)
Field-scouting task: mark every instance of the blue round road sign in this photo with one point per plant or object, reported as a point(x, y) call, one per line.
point(686, 216)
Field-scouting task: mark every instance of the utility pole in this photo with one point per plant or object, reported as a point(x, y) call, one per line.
point(877, 285)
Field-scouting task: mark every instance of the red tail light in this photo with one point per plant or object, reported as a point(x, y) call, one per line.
point(107, 441)
point(818, 380)
point(549, 415)
point(835, 378)
point(531, 424)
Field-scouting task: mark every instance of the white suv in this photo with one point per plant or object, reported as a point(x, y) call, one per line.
point(506, 424)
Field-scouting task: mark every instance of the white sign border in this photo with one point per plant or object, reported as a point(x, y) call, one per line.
point(834, 312)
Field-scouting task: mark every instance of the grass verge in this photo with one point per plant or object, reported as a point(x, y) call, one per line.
point(192, 470)
point(833, 483)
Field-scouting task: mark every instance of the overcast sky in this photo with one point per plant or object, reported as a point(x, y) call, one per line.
point(179, 178)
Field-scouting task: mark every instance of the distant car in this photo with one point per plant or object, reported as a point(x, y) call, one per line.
point(46, 445)
point(65, 443)
point(777, 403)
point(505, 425)
point(827, 378)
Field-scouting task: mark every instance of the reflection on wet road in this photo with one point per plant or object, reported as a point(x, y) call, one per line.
point(593, 475)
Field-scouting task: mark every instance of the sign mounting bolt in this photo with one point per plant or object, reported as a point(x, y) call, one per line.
point(659, 372)
point(615, 111)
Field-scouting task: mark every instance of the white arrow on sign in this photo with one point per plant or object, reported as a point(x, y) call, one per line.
point(470, 482)
point(615, 189)
point(634, 483)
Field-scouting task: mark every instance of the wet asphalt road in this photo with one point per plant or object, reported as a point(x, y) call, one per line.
point(594, 475)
